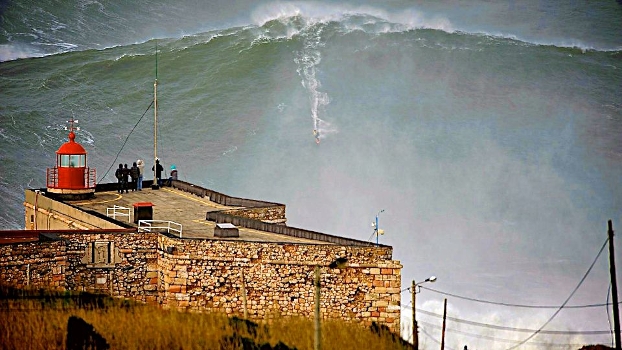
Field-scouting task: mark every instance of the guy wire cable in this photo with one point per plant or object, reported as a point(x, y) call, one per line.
point(124, 142)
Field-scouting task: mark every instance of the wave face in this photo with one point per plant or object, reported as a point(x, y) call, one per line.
point(489, 133)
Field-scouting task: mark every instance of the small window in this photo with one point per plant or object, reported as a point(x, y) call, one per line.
point(64, 160)
point(74, 161)
point(32, 218)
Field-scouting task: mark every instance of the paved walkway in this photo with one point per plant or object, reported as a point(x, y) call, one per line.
point(171, 204)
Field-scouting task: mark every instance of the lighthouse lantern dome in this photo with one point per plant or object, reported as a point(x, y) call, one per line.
point(71, 177)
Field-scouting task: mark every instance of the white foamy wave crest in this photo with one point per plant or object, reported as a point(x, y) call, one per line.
point(9, 52)
point(192, 40)
point(527, 41)
point(376, 19)
point(311, 11)
point(413, 19)
point(127, 54)
point(8, 137)
point(86, 137)
point(229, 151)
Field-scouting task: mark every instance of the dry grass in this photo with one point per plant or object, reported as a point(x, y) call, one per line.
point(38, 320)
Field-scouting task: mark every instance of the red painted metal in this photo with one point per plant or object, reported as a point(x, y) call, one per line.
point(143, 204)
point(71, 147)
point(71, 172)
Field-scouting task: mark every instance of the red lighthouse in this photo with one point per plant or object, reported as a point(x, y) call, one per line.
point(71, 177)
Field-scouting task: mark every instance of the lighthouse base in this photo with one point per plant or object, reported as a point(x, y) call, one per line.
point(67, 194)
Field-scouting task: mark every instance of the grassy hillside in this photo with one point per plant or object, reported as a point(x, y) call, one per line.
point(39, 319)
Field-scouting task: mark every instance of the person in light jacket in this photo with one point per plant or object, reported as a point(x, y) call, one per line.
point(141, 168)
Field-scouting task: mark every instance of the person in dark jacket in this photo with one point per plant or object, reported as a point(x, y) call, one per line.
point(126, 175)
point(158, 168)
point(119, 175)
point(134, 173)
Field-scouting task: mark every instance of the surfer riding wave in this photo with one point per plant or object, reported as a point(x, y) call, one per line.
point(316, 133)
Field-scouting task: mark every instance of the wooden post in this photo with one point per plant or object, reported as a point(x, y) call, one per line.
point(444, 320)
point(614, 287)
point(415, 326)
point(244, 296)
point(318, 332)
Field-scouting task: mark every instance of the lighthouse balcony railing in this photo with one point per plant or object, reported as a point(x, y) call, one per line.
point(159, 225)
point(52, 177)
point(90, 178)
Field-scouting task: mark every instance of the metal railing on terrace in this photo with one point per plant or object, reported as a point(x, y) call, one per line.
point(156, 225)
point(118, 210)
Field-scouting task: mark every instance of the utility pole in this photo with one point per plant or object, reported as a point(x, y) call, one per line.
point(614, 287)
point(415, 326)
point(444, 318)
point(318, 334)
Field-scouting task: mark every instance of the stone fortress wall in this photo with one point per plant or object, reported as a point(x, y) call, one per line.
point(204, 274)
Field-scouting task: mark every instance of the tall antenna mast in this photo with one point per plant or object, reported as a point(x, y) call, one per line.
point(155, 121)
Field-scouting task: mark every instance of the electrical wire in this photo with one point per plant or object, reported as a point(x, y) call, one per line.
point(480, 336)
point(124, 142)
point(567, 299)
point(434, 339)
point(512, 305)
point(506, 328)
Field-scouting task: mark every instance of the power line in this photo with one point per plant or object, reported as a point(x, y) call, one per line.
point(513, 329)
point(480, 336)
point(540, 330)
point(513, 305)
point(567, 299)
point(434, 339)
